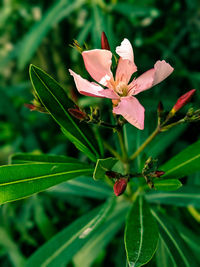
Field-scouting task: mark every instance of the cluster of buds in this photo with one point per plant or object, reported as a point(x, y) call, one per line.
point(36, 105)
point(150, 171)
point(121, 182)
point(192, 115)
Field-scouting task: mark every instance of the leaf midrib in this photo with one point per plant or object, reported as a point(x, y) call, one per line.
point(43, 177)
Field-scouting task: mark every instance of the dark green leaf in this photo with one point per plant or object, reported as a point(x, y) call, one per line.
point(176, 246)
point(167, 185)
point(141, 234)
point(56, 101)
point(61, 248)
point(22, 180)
point(94, 244)
point(82, 187)
point(102, 166)
point(39, 158)
point(185, 163)
point(187, 195)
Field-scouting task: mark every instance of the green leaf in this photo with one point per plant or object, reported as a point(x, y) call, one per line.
point(82, 187)
point(39, 158)
point(96, 243)
point(22, 180)
point(187, 195)
point(34, 37)
point(141, 234)
point(163, 256)
point(130, 11)
point(167, 185)
point(185, 163)
point(102, 166)
point(176, 246)
point(56, 101)
point(61, 248)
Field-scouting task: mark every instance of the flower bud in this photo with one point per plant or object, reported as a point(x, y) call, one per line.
point(120, 186)
point(77, 113)
point(182, 101)
point(30, 106)
point(159, 173)
point(160, 108)
point(104, 42)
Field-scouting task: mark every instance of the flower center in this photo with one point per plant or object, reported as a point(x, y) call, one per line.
point(121, 89)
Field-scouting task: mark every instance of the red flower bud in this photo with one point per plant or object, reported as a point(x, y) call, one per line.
point(159, 173)
point(30, 106)
point(120, 186)
point(183, 100)
point(160, 107)
point(104, 42)
point(78, 114)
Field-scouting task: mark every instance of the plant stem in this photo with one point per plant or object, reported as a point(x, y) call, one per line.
point(146, 142)
point(122, 145)
point(112, 151)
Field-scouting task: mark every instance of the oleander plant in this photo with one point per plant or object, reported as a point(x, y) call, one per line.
point(104, 163)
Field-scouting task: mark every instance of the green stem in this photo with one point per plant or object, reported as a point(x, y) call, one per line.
point(146, 142)
point(122, 145)
point(112, 151)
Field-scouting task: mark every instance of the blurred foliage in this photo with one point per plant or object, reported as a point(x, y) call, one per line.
point(40, 32)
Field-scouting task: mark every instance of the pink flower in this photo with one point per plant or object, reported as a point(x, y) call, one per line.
point(120, 89)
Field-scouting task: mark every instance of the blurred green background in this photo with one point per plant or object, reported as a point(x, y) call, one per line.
point(40, 32)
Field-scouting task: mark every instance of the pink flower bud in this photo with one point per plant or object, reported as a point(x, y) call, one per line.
point(120, 186)
point(78, 114)
point(104, 42)
point(183, 100)
point(159, 173)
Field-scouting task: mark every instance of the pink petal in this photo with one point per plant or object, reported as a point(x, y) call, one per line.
point(98, 63)
point(131, 109)
point(162, 71)
point(92, 89)
point(125, 69)
point(125, 50)
point(151, 77)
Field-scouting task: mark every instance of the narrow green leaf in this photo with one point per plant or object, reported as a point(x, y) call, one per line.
point(97, 242)
point(29, 44)
point(176, 246)
point(63, 246)
point(102, 166)
point(82, 187)
point(185, 163)
point(187, 195)
point(141, 234)
point(22, 180)
point(131, 11)
point(167, 185)
point(39, 158)
point(163, 256)
point(56, 101)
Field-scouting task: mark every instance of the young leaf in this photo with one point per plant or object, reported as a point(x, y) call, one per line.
point(179, 251)
point(187, 195)
point(167, 185)
point(141, 234)
point(23, 180)
point(56, 101)
point(102, 166)
point(59, 250)
point(185, 163)
point(20, 158)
